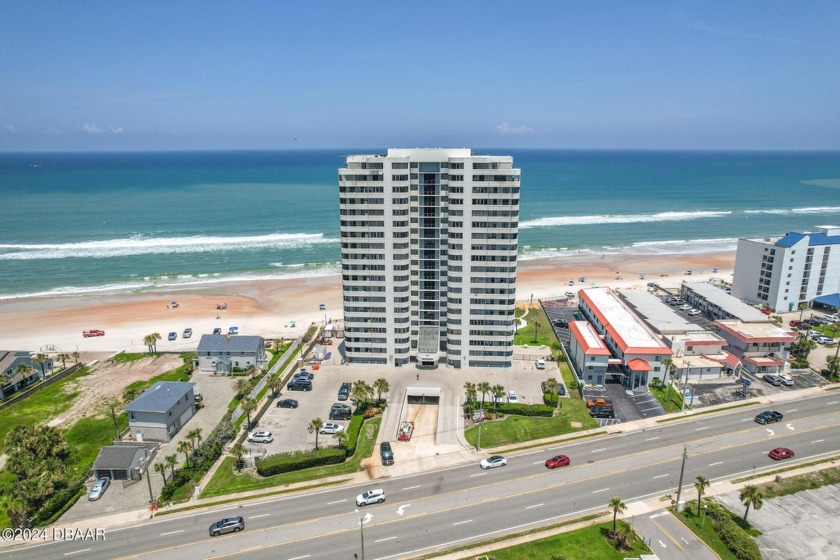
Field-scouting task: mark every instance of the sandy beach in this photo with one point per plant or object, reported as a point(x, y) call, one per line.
point(268, 307)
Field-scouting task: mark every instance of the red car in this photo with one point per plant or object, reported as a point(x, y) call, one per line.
point(93, 332)
point(781, 453)
point(558, 461)
point(795, 323)
point(766, 311)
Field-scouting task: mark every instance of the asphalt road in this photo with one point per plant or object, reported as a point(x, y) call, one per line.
point(449, 507)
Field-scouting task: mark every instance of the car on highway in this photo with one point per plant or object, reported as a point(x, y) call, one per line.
point(768, 417)
point(601, 412)
point(287, 403)
point(331, 428)
point(93, 332)
point(558, 461)
point(781, 453)
point(299, 385)
point(261, 437)
point(172, 336)
point(227, 525)
point(512, 398)
point(370, 497)
point(772, 379)
point(187, 333)
point(344, 391)
point(493, 462)
point(99, 488)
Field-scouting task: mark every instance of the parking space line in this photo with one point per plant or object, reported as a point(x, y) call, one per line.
point(702, 428)
point(792, 410)
point(477, 474)
point(833, 402)
point(76, 552)
point(818, 441)
point(597, 450)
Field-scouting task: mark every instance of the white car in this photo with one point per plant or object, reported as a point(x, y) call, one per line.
point(694, 312)
point(786, 379)
point(512, 398)
point(498, 399)
point(371, 497)
point(540, 364)
point(493, 462)
point(685, 307)
point(260, 437)
point(331, 428)
point(99, 488)
point(187, 333)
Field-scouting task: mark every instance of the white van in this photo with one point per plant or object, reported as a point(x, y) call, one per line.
point(540, 364)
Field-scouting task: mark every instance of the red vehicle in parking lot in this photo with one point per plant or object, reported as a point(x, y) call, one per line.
point(558, 461)
point(781, 453)
point(795, 323)
point(93, 332)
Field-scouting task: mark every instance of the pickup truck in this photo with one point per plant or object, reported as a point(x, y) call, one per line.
point(598, 401)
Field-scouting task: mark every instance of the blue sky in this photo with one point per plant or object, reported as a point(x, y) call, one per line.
point(562, 74)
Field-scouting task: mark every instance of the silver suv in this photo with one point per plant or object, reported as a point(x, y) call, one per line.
point(371, 497)
point(227, 525)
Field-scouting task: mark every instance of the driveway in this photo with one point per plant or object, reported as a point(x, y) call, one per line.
point(669, 539)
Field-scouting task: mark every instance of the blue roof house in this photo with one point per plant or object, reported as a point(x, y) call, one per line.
point(221, 354)
point(161, 411)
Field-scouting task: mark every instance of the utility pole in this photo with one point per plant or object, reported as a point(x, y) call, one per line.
point(682, 472)
point(149, 480)
point(685, 384)
point(478, 443)
point(116, 430)
point(361, 532)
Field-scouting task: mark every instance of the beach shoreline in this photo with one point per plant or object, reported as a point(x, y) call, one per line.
point(269, 307)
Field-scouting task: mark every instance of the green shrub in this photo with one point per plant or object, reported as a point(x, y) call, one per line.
point(736, 539)
point(551, 399)
point(298, 460)
point(525, 409)
point(58, 504)
point(353, 430)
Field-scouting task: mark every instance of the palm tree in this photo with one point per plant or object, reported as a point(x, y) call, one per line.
point(833, 363)
point(552, 387)
point(195, 436)
point(238, 451)
point(315, 426)
point(248, 406)
point(498, 392)
point(381, 385)
point(701, 483)
point(63, 357)
point(150, 340)
point(472, 393)
point(342, 438)
point(40, 360)
point(161, 468)
point(76, 357)
point(360, 392)
point(617, 507)
point(537, 327)
point(751, 496)
point(184, 447)
point(25, 370)
point(484, 388)
point(670, 368)
point(170, 461)
point(274, 383)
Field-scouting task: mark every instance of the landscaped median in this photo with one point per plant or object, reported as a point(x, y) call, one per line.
point(508, 426)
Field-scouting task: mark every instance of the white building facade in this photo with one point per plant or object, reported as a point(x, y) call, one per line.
point(781, 273)
point(429, 242)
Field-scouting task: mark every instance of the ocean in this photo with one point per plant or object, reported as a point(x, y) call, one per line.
point(75, 223)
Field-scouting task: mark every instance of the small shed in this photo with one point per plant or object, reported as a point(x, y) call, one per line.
point(122, 462)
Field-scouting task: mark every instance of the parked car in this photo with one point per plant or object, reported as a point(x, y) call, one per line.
point(370, 497)
point(187, 333)
point(299, 385)
point(694, 312)
point(601, 412)
point(493, 462)
point(599, 402)
point(512, 398)
point(197, 396)
point(385, 453)
point(340, 411)
point(303, 374)
point(344, 391)
point(172, 336)
point(227, 525)
point(824, 339)
point(99, 488)
point(540, 364)
point(260, 437)
point(558, 461)
point(766, 311)
point(217, 330)
point(331, 428)
point(786, 379)
point(769, 416)
point(795, 323)
point(93, 332)
point(685, 307)
point(561, 324)
point(772, 379)
point(287, 403)
point(781, 453)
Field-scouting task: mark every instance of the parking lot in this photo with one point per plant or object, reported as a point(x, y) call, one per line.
point(811, 515)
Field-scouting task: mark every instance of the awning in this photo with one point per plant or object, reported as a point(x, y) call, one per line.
point(639, 365)
point(830, 300)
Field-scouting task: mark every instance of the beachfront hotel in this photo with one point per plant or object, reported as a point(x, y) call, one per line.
point(783, 272)
point(429, 241)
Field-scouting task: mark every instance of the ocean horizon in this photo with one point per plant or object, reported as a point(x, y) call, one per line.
point(111, 222)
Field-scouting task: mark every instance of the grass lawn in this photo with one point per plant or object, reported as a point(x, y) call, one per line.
point(517, 429)
point(87, 436)
point(125, 357)
point(227, 481)
point(674, 405)
point(588, 543)
point(794, 484)
point(567, 375)
point(525, 335)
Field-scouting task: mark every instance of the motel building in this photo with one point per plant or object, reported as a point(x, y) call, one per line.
point(760, 347)
point(699, 357)
point(637, 351)
point(588, 353)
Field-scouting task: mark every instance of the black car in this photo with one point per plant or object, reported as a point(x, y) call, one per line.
point(340, 412)
point(561, 324)
point(299, 385)
point(217, 330)
point(769, 416)
point(386, 454)
point(601, 412)
point(287, 403)
point(344, 392)
point(304, 375)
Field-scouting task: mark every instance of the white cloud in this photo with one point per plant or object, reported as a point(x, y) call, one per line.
point(92, 128)
point(505, 128)
point(117, 129)
point(11, 128)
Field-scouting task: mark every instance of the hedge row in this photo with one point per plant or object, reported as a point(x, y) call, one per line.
point(298, 460)
point(736, 539)
point(353, 431)
point(525, 409)
point(551, 400)
point(58, 504)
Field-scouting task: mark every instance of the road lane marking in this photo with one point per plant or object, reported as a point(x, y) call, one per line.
point(792, 410)
point(651, 439)
point(385, 539)
point(818, 441)
point(477, 474)
point(336, 502)
point(703, 428)
point(411, 487)
point(538, 462)
point(718, 463)
point(601, 490)
point(172, 533)
point(833, 402)
point(534, 506)
point(260, 515)
point(597, 450)
point(659, 476)
point(76, 552)
point(660, 514)
point(462, 522)
point(300, 557)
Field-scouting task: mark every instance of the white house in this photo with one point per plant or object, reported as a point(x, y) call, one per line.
point(221, 354)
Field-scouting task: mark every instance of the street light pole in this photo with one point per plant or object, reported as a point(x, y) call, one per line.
point(478, 443)
point(682, 472)
point(361, 532)
point(149, 480)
